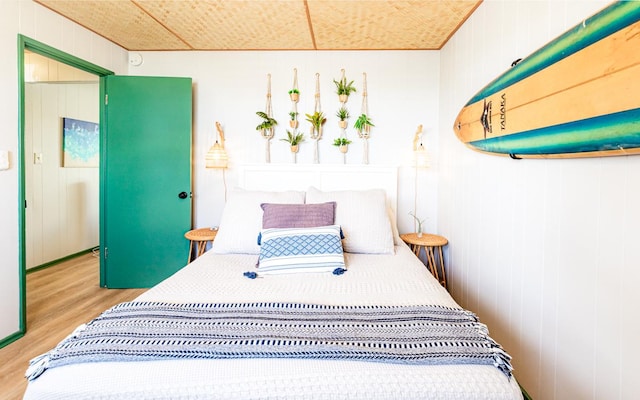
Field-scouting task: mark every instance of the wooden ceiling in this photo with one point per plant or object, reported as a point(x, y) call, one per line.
point(139, 25)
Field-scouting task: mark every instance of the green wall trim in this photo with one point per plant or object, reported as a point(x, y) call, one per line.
point(61, 56)
point(26, 43)
point(22, 275)
point(11, 338)
point(58, 261)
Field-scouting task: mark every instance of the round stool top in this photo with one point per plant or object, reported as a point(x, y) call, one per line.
point(202, 234)
point(427, 239)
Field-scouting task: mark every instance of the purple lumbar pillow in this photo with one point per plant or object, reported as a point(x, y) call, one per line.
point(297, 215)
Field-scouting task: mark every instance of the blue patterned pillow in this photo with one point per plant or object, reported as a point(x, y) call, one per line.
point(286, 250)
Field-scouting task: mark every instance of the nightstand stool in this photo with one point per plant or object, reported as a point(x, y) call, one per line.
point(428, 242)
point(201, 237)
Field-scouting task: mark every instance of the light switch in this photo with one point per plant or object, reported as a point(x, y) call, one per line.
point(37, 158)
point(4, 160)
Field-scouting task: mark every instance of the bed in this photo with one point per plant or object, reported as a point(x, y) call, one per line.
point(376, 272)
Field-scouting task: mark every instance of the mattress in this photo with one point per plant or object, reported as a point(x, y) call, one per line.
point(390, 279)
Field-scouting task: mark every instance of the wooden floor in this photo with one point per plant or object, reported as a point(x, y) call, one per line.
point(59, 299)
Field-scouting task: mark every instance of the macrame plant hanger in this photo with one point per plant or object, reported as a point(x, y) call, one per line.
point(268, 133)
point(316, 131)
point(343, 128)
point(294, 114)
point(364, 132)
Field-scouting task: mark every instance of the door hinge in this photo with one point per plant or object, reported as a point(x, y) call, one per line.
point(106, 99)
point(106, 252)
point(25, 204)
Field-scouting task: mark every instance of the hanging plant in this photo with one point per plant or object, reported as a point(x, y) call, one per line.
point(294, 94)
point(344, 89)
point(342, 114)
point(363, 123)
point(294, 140)
point(316, 119)
point(342, 143)
point(268, 123)
point(293, 121)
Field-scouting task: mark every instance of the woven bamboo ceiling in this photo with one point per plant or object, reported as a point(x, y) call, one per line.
point(269, 24)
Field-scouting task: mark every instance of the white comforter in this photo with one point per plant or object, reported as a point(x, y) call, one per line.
point(371, 279)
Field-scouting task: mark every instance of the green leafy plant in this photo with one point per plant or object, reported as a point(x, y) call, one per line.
point(362, 123)
point(292, 139)
point(344, 88)
point(294, 90)
point(342, 113)
point(341, 141)
point(316, 119)
point(267, 122)
point(293, 115)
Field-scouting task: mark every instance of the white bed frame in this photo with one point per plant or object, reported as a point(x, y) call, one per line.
point(330, 177)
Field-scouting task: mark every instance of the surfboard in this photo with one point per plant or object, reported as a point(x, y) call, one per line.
point(577, 96)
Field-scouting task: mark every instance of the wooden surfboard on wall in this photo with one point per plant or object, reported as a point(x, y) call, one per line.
point(578, 96)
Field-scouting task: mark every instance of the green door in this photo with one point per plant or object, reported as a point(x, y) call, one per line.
point(145, 198)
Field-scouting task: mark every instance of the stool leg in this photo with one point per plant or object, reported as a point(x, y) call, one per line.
point(444, 273)
point(190, 251)
point(431, 261)
point(201, 247)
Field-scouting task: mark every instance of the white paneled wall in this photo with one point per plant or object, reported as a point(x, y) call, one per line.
point(545, 251)
point(30, 19)
point(230, 87)
point(62, 213)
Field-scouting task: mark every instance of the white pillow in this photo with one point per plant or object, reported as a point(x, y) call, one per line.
point(363, 216)
point(242, 219)
point(394, 226)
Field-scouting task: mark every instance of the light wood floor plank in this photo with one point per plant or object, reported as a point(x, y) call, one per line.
point(59, 299)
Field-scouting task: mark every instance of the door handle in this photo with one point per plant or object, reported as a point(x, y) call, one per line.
point(183, 195)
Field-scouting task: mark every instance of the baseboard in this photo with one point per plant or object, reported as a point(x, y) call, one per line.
point(10, 339)
point(54, 262)
point(524, 393)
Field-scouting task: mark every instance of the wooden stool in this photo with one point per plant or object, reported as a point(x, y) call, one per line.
point(429, 242)
point(201, 237)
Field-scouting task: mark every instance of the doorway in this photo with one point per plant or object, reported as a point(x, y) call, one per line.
point(61, 148)
point(78, 71)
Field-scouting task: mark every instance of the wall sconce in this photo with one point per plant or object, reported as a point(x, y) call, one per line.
point(420, 156)
point(217, 156)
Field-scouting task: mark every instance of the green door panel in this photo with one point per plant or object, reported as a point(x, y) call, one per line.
point(145, 165)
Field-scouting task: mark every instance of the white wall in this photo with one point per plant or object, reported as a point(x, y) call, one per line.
point(545, 251)
point(62, 216)
point(36, 22)
point(230, 87)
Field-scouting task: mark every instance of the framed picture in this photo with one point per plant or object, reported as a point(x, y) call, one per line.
point(80, 143)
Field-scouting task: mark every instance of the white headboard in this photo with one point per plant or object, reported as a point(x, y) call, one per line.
point(278, 177)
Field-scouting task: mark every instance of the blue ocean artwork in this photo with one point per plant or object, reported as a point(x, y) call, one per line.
point(81, 143)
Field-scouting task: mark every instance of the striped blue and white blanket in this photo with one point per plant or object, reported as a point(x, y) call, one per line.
point(142, 331)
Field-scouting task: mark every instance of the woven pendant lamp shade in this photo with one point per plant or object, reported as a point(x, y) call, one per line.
point(421, 157)
point(217, 157)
